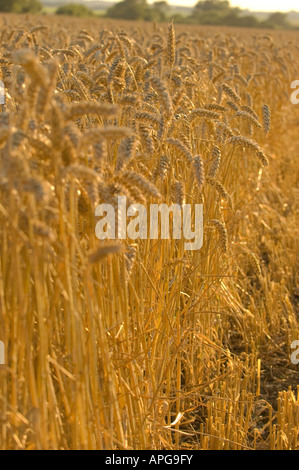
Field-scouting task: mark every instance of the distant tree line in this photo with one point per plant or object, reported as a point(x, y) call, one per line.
point(205, 12)
point(74, 9)
point(35, 6)
point(140, 10)
point(20, 6)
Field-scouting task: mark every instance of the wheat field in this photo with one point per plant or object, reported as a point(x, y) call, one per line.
point(140, 344)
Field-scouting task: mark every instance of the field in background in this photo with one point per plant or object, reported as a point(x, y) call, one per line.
point(142, 345)
point(48, 10)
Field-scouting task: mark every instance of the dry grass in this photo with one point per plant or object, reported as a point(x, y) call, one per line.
point(143, 345)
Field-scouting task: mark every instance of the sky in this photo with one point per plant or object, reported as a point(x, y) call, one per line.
point(264, 5)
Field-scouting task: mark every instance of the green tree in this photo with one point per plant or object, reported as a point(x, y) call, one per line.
point(213, 5)
point(6, 5)
point(74, 9)
point(220, 12)
point(162, 5)
point(132, 10)
point(247, 21)
point(212, 11)
point(20, 6)
point(128, 10)
point(162, 10)
point(277, 20)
